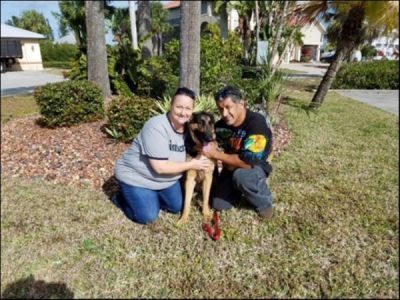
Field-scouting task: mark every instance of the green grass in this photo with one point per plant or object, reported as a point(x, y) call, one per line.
point(334, 233)
point(17, 106)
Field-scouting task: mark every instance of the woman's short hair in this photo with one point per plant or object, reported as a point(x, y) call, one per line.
point(184, 91)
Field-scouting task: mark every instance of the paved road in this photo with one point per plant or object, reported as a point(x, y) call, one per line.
point(23, 82)
point(388, 100)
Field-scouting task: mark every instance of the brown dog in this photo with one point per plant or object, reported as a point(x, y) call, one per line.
point(202, 132)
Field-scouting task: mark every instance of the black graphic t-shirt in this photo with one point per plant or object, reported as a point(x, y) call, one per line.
point(252, 140)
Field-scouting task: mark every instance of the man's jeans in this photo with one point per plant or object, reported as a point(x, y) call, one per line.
point(230, 186)
point(143, 205)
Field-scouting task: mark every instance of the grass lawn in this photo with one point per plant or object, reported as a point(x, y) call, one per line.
point(17, 106)
point(335, 232)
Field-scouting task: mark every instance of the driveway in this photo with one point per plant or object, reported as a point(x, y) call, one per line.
point(24, 82)
point(388, 100)
point(314, 69)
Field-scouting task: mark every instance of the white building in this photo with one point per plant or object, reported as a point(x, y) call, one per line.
point(29, 42)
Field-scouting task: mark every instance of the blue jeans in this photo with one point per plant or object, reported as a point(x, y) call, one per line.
point(251, 183)
point(143, 205)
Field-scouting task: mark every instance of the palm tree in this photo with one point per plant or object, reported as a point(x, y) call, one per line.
point(190, 45)
point(355, 17)
point(72, 18)
point(160, 25)
point(96, 46)
point(33, 21)
point(245, 10)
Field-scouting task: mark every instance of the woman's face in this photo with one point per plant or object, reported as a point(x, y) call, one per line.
point(181, 109)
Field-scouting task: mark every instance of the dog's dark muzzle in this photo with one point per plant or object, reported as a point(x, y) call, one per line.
point(205, 136)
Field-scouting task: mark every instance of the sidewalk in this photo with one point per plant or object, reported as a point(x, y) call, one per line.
point(388, 100)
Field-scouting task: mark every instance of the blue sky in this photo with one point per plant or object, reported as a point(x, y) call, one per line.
point(15, 8)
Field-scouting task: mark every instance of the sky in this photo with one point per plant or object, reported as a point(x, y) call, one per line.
point(15, 8)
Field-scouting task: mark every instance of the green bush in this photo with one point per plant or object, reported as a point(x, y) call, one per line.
point(127, 115)
point(57, 64)
point(368, 51)
point(69, 102)
point(220, 60)
point(52, 52)
point(379, 75)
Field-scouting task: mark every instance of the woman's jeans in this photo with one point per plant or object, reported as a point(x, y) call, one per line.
point(251, 183)
point(143, 205)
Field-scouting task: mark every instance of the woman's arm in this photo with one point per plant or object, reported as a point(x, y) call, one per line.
point(175, 167)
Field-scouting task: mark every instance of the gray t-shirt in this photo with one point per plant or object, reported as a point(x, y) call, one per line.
point(156, 140)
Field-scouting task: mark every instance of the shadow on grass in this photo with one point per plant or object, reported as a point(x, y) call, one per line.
point(300, 106)
point(29, 288)
point(110, 187)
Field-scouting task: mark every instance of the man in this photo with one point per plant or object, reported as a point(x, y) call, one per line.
point(246, 140)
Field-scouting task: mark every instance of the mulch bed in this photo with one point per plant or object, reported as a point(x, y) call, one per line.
point(81, 155)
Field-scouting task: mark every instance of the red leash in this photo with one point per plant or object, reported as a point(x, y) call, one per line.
point(215, 235)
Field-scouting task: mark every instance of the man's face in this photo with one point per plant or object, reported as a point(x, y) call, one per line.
point(232, 113)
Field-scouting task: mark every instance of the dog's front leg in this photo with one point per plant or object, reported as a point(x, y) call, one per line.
point(189, 188)
point(206, 196)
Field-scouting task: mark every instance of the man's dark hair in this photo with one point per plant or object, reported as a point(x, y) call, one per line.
point(184, 91)
point(229, 92)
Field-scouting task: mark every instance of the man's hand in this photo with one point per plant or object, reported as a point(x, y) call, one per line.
point(210, 150)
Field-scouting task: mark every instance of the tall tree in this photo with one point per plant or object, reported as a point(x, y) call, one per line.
point(159, 24)
point(96, 46)
point(245, 10)
point(72, 18)
point(33, 21)
point(144, 28)
point(356, 17)
point(190, 45)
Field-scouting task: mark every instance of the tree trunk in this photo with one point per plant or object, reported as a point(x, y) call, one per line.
point(96, 46)
point(275, 44)
point(132, 16)
point(190, 45)
point(350, 37)
point(144, 28)
point(327, 80)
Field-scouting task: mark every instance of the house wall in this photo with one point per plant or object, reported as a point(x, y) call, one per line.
point(32, 57)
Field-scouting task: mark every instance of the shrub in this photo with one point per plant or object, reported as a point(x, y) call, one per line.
point(53, 52)
point(368, 51)
point(378, 75)
point(57, 64)
point(220, 60)
point(69, 102)
point(127, 115)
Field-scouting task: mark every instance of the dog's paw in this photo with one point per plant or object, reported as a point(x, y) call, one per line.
point(182, 221)
point(207, 217)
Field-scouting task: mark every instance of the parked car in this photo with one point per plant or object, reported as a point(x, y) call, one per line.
point(327, 57)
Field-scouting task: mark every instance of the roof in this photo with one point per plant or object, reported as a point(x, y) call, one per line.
point(8, 31)
point(172, 4)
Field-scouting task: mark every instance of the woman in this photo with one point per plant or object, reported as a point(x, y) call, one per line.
point(148, 172)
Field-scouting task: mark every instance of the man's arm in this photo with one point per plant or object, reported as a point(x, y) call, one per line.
point(232, 160)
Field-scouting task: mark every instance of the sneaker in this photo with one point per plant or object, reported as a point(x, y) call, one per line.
point(266, 213)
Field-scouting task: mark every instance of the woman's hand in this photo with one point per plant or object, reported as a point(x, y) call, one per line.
point(200, 162)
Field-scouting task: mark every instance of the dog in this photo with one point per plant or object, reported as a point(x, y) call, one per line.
point(201, 133)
